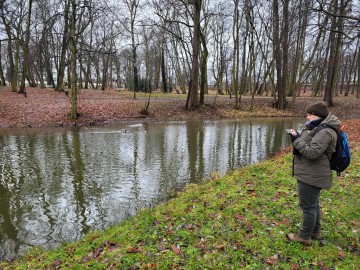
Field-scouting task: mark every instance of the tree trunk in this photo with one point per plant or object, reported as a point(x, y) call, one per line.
point(106, 62)
point(351, 72)
point(331, 71)
point(73, 49)
point(285, 56)
point(194, 81)
point(281, 46)
point(64, 47)
point(203, 69)
point(277, 51)
point(88, 60)
point(179, 74)
point(358, 75)
point(236, 58)
point(26, 57)
point(296, 68)
point(45, 59)
point(11, 71)
point(2, 77)
point(302, 70)
point(335, 41)
point(163, 68)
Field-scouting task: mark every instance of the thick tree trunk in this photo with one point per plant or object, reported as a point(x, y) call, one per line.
point(194, 95)
point(281, 46)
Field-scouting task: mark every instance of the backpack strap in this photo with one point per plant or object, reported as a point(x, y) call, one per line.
point(323, 126)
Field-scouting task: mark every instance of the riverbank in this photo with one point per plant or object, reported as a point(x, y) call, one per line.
point(45, 107)
point(235, 222)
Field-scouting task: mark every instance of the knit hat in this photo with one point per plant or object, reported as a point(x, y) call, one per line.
point(319, 109)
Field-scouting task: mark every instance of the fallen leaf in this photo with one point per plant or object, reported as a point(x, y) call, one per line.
point(222, 246)
point(356, 222)
point(175, 249)
point(133, 250)
point(56, 263)
point(112, 248)
point(342, 255)
point(239, 217)
point(151, 265)
point(273, 260)
point(295, 266)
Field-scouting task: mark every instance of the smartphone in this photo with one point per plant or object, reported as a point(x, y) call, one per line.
point(288, 130)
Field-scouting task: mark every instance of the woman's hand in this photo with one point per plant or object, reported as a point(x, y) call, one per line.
point(293, 135)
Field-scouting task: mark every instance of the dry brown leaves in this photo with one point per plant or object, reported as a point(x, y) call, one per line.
point(46, 107)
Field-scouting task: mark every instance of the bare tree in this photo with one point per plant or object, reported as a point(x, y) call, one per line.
point(335, 44)
point(163, 64)
point(26, 57)
point(204, 52)
point(2, 77)
point(221, 37)
point(181, 59)
point(358, 75)
point(236, 54)
point(298, 71)
point(133, 8)
point(64, 46)
point(107, 51)
point(74, 51)
point(77, 25)
point(42, 60)
point(193, 96)
point(12, 17)
point(281, 37)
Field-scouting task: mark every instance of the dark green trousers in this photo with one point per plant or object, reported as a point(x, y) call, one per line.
point(309, 204)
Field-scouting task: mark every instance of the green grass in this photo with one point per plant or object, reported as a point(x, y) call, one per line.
point(235, 222)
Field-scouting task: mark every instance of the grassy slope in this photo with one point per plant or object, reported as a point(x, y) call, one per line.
point(235, 222)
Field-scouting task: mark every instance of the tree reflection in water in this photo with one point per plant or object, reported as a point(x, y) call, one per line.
point(58, 184)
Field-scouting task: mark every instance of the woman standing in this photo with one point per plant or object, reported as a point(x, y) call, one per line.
point(311, 167)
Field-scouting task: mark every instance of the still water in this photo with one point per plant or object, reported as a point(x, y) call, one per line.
point(57, 184)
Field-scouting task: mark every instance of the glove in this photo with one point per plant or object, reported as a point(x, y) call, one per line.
point(296, 152)
point(294, 137)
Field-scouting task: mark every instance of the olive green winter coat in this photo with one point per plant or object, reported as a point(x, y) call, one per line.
point(312, 165)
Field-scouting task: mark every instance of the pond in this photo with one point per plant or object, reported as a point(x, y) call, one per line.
point(57, 184)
